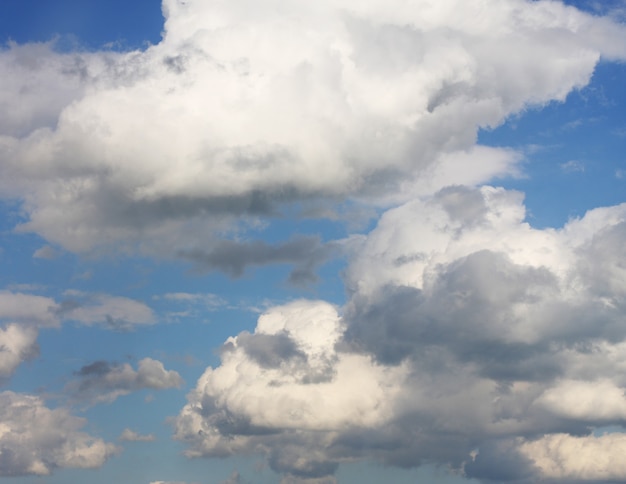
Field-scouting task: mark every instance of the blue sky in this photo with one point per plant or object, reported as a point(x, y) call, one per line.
point(339, 242)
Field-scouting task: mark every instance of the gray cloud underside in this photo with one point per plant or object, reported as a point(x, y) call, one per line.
point(305, 253)
point(470, 340)
point(104, 382)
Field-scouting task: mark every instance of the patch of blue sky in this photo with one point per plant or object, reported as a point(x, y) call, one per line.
point(574, 150)
point(90, 24)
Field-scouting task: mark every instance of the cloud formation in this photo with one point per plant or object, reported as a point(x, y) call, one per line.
point(37, 440)
point(25, 314)
point(129, 435)
point(116, 312)
point(104, 382)
point(306, 253)
point(470, 339)
point(17, 344)
point(242, 108)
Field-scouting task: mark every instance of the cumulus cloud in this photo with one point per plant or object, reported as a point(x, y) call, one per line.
point(24, 314)
point(129, 435)
point(37, 440)
point(285, 386)
point(245, 107)
point(104, 382)
point(17, 344)
point(589, 458)
point(469, 339)
point(465, 329)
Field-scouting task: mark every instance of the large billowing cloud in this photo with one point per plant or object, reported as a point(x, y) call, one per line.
point(37, 440)
point(470, 339)
point(245, 106)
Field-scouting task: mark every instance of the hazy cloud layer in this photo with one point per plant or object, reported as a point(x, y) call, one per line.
point(470, 339)
point(104, 382)
point(244, 107)
point(36, 440)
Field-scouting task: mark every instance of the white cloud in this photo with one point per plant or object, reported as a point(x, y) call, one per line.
point(40, 82)
point(129, 435)
point(17, 344)
point(28, 309)
point(589, 458)
point(586, 400)
point(244, 107)
point(465, 328)
point(37, 440)
point(287, 376)
point(103, 382)
point(24, 314)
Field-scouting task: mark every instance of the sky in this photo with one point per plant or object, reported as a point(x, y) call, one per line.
point(258, 241)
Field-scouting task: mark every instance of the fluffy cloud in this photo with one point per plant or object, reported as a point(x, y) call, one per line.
point(470, 339)
point(104, 382)
point(285, 384)
point(17, 344)
point(562, 456)
point(36, 440)
point(24, 314)
point(244, 107)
